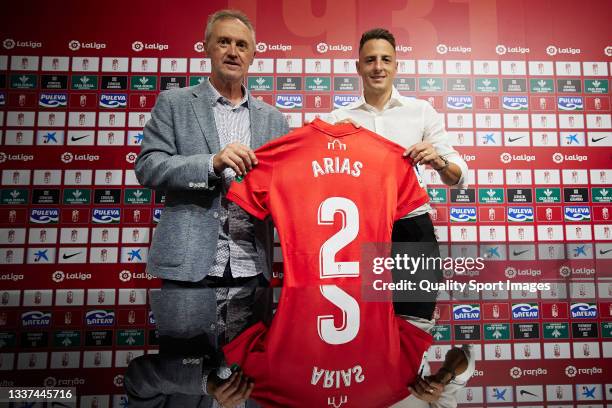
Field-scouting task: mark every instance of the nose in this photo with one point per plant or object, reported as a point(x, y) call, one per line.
point(378, 64)
point(232, 48)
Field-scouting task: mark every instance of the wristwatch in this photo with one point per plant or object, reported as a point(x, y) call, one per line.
point(446, 163)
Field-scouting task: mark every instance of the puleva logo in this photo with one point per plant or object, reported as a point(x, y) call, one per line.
point(113, 100)
point(463, 214)
point(157, 212)
point(341, 101)
point(100, 318)
point(44, 215)
point(466, 312)
point(289, 101)
point(36, 319)
point(106, 215)
point(581, 213)
point(584, 310)
point(459, 102)
point(53, 100)
point(520, 214)
point(525, 311)
point(515, 102)
point(570, 103)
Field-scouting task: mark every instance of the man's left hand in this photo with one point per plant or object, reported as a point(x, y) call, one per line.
point(424, 153)
point(427, 389)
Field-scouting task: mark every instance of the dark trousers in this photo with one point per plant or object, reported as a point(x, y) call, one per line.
point(415, 237)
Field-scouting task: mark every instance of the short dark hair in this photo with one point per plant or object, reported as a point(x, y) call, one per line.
point(377, 34)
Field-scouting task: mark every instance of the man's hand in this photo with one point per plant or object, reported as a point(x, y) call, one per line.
point(427, 389)
point(236, 156)
point(231, 392)
point(424, 153)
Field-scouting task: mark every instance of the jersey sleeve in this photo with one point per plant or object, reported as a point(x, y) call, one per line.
point(410, 194)
point(252, 192)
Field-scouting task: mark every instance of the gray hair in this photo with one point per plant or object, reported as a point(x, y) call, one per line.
point(227, 14)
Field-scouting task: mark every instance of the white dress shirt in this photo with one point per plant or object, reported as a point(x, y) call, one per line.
point(405, 121)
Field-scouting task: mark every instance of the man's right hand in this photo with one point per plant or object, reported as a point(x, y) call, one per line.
point(236, 156)
point(231, 392)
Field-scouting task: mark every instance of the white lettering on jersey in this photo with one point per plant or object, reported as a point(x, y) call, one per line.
point(336, 378)
point(336, 165)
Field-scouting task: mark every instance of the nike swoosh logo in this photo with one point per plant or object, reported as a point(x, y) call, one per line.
point(70, 256)
point(519, 252)
point(514, 139)
point(523, 392)
point(601, 251)
point(598, 139)
point(74, 138)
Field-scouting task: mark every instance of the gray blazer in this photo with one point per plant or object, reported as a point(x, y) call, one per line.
point(179, 140)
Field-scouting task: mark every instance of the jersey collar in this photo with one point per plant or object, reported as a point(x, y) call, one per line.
point(339, 130)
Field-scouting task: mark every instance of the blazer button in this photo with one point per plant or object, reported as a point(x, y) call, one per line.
point(216, 214)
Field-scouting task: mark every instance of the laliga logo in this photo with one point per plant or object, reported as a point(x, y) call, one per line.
point(125, 276)
point(516, 372)
point(58, 276)
point(9, 43)
point(322, 47)
point(551, 50)
point(442, 49)
point(571, 371)
point(131, 157)
point(505, 158)
point(74, 45)
point(49, 382)
point(501, 49)
point(2, 157)
point(565, 271)
point(137, 46)
point(261, 47)
point(118, 380)
point(510, 272)
point(608, 51)
point(557, 158)
point(67, 157)
point(199, 46)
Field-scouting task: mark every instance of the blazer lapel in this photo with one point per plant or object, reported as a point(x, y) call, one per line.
point(202, 108)
point(258, 124)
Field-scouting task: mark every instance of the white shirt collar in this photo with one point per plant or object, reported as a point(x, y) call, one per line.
point(396, 99)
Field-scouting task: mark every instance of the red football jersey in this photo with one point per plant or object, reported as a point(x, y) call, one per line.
point(329, 189)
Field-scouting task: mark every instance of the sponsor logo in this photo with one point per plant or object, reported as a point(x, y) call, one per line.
point(515, 102)
point(140, 46)
point(199, 46)
point(106, 215)
point(560, 158)
point(403, 48)
point(517, 372)
point(341, 101)
point(459, 102)
point(100, 318)
point(511, 272)
point(463, 214)
point(76, 45)
point(44, 215)
point(507, 157)
point(525, 311)
point(553, 50)
point(126, 276)
point(520, 214)
point(443, 49)
point(583, 310)
point(572, 371)
point(570, 103)
point(468, 157)
point(289, 101)
point(53, 100)
point(9, 44)
point(503, 50)
point(68, 157)
point(263, 47)
point(466, 312)
point(322, 47)
point(60, 276)
point(113, 101)
point(577, 213)
point(15, 157)
point(11, 277)
point(36, 319)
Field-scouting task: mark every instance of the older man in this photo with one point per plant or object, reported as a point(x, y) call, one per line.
point(197, 141)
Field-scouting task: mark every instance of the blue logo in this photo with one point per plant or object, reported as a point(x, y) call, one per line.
point(2, 99)
point(106, 215)
point(572, 139)
point(36, 319)
point(157, 212)
point(44, 215)
point(489, 138)
point(525, 311)
point(580, 250)
point(466, 312)
point(459, 102)
point(520, 214)
point(499, 394)
point(463, 214)
point(584, 310)
point(515, 102)
point(341, 101)
point(53, 100)
point(50, 137)
point(492, 252)
point(570, 103)
point(113, 101)
point(100, 318)
point(289, 101)
point(151, 318)
point(588, 392)
point(582, 213)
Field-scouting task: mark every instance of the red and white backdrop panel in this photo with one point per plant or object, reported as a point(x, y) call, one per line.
point(524, 88)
